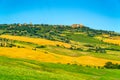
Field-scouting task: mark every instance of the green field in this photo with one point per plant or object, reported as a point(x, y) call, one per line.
point(20, 69)
point(83, 38)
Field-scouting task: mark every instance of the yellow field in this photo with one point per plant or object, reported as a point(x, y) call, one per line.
point(36, 40)
point(112, 41)
point(44, 56)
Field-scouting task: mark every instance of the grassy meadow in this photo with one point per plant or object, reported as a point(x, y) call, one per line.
point(23, 69)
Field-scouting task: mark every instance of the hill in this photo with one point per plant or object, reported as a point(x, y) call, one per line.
point(51, 50)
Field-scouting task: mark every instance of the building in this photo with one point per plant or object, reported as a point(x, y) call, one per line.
point(77, 25)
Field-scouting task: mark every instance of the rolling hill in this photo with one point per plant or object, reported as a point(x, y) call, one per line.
point(47, 51)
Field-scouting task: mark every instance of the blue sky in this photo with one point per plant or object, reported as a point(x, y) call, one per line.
point(98, 14)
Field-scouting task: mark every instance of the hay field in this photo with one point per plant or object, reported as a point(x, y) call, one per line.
point(113, 41)
point(36, 40)
point(44, 56)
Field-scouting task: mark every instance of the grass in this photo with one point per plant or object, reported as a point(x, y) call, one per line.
point(64, 51)
point(1, 31)
point(22, 69)
point(83, 38)
point(110, 55)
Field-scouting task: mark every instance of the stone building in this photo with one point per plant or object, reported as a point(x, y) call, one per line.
point(77, 25)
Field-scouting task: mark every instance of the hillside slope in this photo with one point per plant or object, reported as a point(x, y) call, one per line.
point(46, 56)
point(58, 52)
point(21, 69)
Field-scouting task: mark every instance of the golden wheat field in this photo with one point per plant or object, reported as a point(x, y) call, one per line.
point(36, 40)
point(113, 41)
point(44, 56)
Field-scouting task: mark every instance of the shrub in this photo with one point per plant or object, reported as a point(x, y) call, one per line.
point(41, 46)
point(110, 65)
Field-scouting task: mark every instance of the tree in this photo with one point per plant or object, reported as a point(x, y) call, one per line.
point(108, 65)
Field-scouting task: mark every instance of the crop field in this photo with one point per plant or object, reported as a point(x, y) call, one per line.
point(53, 54)
point(36, 40)
point(113, 41)
point(41, 55)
